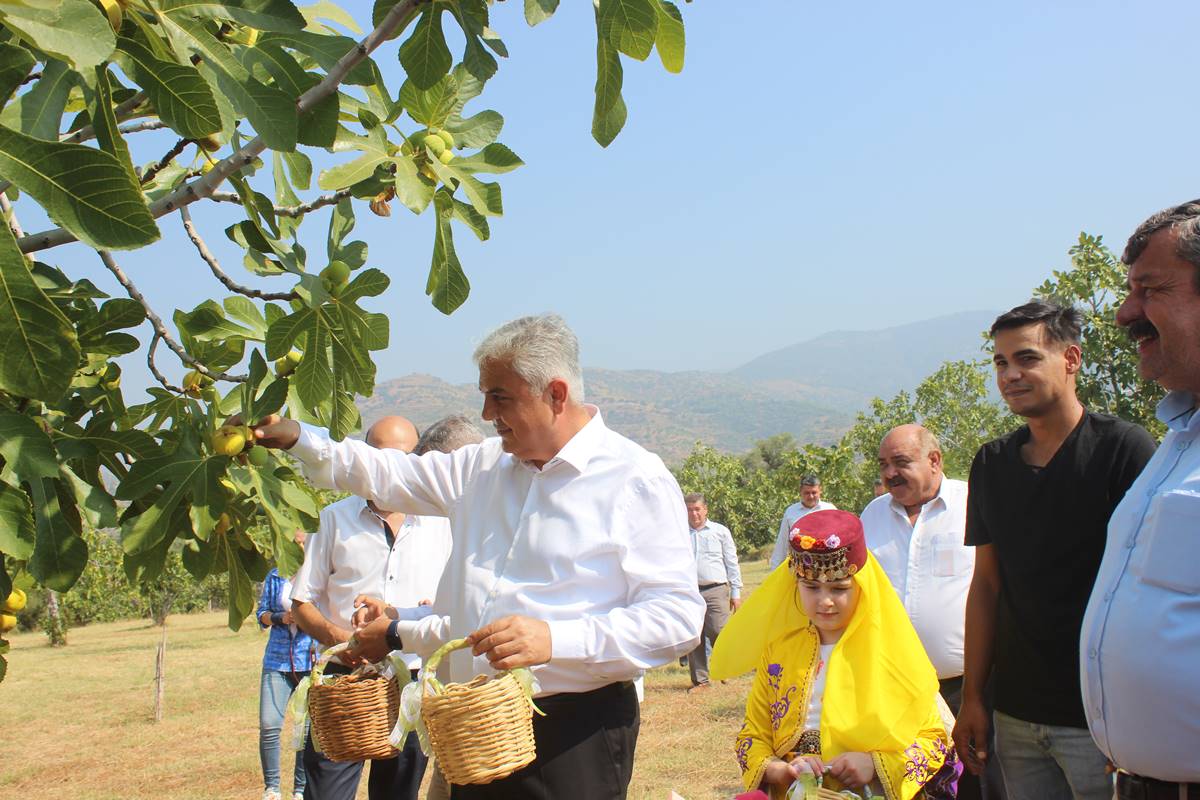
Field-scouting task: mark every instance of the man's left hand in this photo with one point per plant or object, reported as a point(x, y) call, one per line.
point(512, 642)
point(369, 643)
point(735, 603)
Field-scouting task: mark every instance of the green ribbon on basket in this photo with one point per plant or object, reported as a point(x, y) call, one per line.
point(409, 718)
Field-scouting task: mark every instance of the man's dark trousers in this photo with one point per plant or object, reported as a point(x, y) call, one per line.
point(396, 778)
point(585, 747)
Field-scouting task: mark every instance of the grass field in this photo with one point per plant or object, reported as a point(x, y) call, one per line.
point(77, 723)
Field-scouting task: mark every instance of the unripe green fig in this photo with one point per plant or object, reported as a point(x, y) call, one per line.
point(335, 276)
point(435, 143)
point(258, 456)
point(445, 156)
point(447, 137)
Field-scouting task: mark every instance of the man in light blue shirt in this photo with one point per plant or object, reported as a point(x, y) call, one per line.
point(1140, 641)
point(719, 577)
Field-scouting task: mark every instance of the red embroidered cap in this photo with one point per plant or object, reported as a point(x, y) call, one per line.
point(827, 546)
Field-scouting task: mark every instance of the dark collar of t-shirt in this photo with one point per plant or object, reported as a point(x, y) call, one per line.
point(1022, 435)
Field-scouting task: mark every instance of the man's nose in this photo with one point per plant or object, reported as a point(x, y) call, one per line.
point(1129, 310)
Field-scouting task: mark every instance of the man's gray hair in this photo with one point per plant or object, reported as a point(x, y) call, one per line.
point(449, 433)
point(694, 497)
point(539, 349)
point(1184, 220)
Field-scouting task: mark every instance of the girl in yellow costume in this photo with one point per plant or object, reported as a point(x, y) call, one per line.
point(843, 687)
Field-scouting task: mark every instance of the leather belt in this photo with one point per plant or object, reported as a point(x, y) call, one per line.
point(1136, 787)
point(704, 587)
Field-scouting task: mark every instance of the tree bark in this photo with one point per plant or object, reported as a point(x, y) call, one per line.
point(160, 675)
point(55, 629)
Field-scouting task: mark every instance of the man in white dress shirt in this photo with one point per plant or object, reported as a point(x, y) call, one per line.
point(1140, 639)
point(719, 578)
point(360, 549)
point(571, 553)
point(810, 501)
point(916, 533)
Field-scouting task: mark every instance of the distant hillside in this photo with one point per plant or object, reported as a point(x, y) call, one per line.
point(666, 413)
point(854, 366)
point(812, 390)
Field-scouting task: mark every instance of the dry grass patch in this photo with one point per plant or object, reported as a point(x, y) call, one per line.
point(85, 714)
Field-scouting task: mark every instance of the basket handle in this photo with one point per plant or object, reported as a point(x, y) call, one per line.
point(318, 669)
point(431, 664)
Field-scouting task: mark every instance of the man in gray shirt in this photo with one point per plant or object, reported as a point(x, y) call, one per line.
point(719, 577)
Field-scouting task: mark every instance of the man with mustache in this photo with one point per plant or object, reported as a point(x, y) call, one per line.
point(1038, 503)
point(1140, 646)
point(571, 553)
point(915, 531)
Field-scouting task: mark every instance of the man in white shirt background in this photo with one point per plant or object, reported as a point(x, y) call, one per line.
point(810, 501)
point(361, 549)
point(719, 579)
point(571, 553)
point(916, 532)
point(378, 621)
point(1140, 641)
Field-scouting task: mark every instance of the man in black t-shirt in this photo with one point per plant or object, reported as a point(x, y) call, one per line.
point(1038, 505)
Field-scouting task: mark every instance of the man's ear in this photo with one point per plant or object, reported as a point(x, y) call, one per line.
point(1074, 357)
point(557, 393)
point(935, 459)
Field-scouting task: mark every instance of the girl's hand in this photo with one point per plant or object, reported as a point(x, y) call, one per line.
point(811, 765)
point(779, 773)
point(853, 770)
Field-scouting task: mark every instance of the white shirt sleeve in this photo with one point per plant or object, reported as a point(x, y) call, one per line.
point(780, 551)
point(426, 484)
point(732, 570)
point(421, 630)
point(665, 612)
point(308, 585)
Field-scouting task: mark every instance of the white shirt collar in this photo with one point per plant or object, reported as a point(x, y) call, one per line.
point(901, 509)
point(578, 451)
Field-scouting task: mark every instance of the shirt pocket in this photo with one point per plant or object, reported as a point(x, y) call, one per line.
point(1171, 543)
point(950, 556)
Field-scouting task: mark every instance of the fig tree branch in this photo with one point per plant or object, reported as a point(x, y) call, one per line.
point(288, 211)
point(154, 370)
point(215, 266)
point(162, 163)
point(156, 322)
point(396, 19)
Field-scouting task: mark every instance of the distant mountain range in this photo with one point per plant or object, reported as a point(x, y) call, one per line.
point(812, 389)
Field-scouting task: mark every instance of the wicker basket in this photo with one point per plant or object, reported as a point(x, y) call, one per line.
point(480, 731)
point(353, 716)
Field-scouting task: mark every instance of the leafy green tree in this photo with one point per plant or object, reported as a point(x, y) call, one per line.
point(954, 404)
point(1109, 380)
point(740, 497)
point(250, 88)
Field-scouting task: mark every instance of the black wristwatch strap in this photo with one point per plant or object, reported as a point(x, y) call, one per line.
point(393, 636)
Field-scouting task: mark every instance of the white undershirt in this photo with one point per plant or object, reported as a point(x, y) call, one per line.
point(813, 720)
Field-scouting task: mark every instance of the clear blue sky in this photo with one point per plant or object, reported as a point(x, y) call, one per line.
point(815, 167)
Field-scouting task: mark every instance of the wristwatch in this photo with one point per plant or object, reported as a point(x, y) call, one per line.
point(393, 636)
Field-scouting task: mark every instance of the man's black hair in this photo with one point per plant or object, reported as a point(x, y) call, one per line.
point(1063, 323)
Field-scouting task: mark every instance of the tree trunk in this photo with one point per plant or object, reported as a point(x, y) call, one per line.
point(160, 675)
point(54, 624)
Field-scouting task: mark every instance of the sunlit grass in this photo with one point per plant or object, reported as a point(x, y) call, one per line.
point(77, 723)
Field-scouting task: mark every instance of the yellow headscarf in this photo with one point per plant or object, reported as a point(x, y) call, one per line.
point(880, 682)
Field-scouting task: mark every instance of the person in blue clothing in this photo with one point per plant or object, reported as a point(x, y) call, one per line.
point(288, 659)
